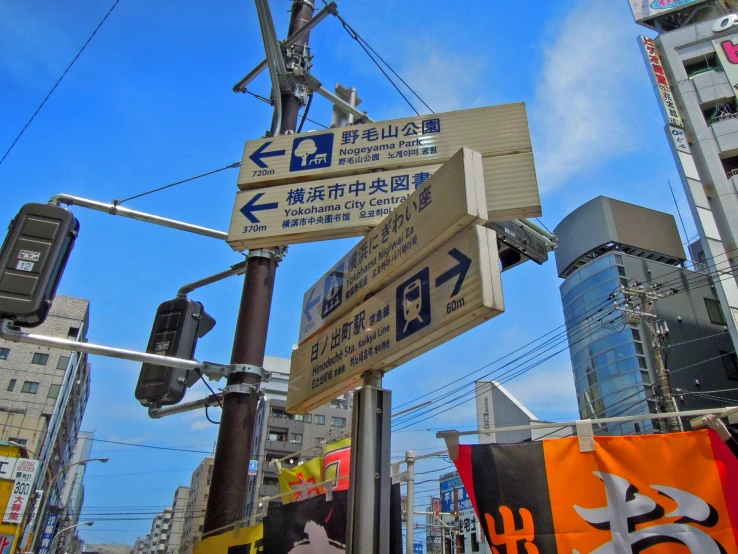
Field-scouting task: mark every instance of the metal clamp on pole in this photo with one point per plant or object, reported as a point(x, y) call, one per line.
point(218, 371)
point(277, 253)
point(242, 388)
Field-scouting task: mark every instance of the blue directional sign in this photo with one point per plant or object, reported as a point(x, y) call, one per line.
point(251, 206)
point(260, 153)
point(418, 547)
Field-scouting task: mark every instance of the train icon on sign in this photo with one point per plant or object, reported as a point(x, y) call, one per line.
point(413, 299)
point(312, 152)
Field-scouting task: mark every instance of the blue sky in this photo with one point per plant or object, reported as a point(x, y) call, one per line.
point(150, 102)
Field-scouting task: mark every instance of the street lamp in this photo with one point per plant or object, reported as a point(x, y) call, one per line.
point(52, 480)
point(53, 540)
point(45, 502)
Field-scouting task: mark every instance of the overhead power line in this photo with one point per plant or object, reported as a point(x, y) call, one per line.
point(230, 166)
point(369, 51)
point(695, 281)
point(59, 81)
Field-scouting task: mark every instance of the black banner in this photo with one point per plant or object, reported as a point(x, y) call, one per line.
point(316, 526)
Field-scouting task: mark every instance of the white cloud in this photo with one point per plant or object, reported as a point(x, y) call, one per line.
point(445, 79)
point(587, 102)
point(547, 392)
point(201, 424)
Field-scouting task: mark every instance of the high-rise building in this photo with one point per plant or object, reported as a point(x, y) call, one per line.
point(603, 245)
point(278, 434)
point(73, 495)
point(197, 499)
point(693, 65)
point(179, 512)
point(141, 546)
point(44, 392)
point(159, 535)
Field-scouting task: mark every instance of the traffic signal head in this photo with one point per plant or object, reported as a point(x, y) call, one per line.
point(178, 325)
point(32, 261)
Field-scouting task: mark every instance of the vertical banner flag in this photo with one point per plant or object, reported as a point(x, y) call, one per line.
point(48, 533)
point(660, 82)
point(303, 480)
point(658, 494)
point(23, 476)
point(318, 525)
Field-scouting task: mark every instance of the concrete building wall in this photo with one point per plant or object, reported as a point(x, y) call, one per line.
point(278, 435)
point(197, 498)
point(179, 512)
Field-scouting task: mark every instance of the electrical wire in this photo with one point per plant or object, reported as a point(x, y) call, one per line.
point(230, 166)
point(207, 415)
point(58, 81)
point(305, 113)
point(429, 411)
point(355, 35)
point(267, 101)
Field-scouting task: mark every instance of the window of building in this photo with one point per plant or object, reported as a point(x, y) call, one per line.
point(730, 166)
point(714, 311)
point(40, 359)
point(296, 438)
point(73, 332)
point(281, 414)
point(730, 363)
point(17, 440)
point(278, 436)
point(4, 353)
point(319, 419)
point(338, 421)
point(474, 543)
point(30, 387)
point(298, 417)
point(726, 109)
point(704, 64)
point(308, 418)
point(63, 362)
point(11, 385)
point(54, 391)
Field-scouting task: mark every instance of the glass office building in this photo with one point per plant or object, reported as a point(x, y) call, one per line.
point(603, 245)
point(611, 372)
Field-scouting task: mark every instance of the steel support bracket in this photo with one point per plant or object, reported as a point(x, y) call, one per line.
point(277, 253)
point(216, 372)
point(242, 388)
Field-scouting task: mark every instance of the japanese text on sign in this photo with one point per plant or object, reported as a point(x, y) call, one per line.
point(661, 83)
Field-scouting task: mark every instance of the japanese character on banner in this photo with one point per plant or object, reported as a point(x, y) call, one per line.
point(624, 506)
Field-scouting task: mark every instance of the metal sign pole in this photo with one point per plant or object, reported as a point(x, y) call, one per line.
point(368, 522)
point(240, 398)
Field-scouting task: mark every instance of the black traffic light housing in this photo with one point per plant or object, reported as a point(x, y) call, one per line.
point(32, 260)
point(178, 325)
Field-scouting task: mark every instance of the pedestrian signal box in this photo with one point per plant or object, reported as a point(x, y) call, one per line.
point(178, 325)
point(32, 260)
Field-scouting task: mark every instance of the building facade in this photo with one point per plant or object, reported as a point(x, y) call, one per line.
point(693, 65)
point(73, 495)
point(44, 392)
point(179, 512)
point(605, 245)
point(197, 499)
point(279, 435)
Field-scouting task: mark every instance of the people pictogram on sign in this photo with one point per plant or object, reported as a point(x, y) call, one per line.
point(333, 292)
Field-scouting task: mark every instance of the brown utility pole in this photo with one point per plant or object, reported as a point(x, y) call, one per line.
point(233, 450)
